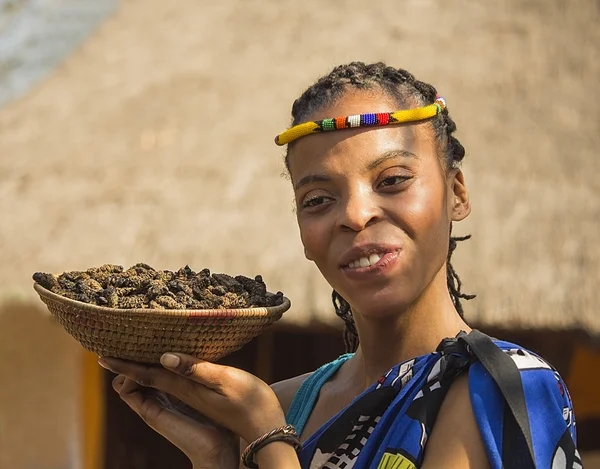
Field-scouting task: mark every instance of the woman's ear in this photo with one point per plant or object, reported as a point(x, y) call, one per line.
point(461, 206)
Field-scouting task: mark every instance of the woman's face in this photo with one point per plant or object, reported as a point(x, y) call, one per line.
point(374, 206)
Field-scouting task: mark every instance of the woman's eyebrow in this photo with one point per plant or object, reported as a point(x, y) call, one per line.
point(390, 155)
point(311, 178)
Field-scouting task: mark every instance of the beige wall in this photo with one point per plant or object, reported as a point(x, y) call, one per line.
point(40, 383)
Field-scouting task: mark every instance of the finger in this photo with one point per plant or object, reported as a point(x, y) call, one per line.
point(149, 376)
point(182, 387)
point(134, 396)
point(192, 369)
point(117, 383)
point(218, 390)
point(211, 375)
point(124, 385)
point(142, 374)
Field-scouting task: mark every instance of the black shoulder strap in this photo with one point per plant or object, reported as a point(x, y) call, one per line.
point(507, 376)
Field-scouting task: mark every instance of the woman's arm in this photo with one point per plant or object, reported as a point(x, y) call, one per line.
point(285, 391)
point(455, 441)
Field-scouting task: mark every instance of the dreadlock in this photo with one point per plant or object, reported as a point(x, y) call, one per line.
point(402, 86)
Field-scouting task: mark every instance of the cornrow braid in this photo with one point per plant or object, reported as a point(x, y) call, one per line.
point(407, 90)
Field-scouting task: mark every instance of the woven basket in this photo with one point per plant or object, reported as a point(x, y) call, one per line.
point(143, 335)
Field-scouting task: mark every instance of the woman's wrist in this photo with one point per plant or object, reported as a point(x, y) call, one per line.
point(277, 455)
point(276, 448)
point(271, 418)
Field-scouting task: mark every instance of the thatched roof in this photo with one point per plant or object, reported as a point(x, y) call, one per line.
point(153, 142)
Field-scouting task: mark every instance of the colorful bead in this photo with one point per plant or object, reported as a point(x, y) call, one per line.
point(340, 123)
point(383, 118)
point(368, 119)
point(441, 101)
point(362, 120)
point(328, 124)
point(354, 121)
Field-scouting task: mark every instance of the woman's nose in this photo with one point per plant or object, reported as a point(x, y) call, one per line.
point(359, 210)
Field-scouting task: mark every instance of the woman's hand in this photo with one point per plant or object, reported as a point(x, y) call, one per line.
point(205, 444)
point(228, 396)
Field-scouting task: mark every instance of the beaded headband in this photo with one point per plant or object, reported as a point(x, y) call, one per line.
point(361, 120)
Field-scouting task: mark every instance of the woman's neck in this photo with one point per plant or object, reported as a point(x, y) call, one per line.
point(416, 331)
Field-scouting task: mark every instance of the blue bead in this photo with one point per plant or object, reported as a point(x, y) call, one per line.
point(368, 119)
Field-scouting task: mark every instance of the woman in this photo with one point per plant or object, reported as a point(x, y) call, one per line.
point(375, 205)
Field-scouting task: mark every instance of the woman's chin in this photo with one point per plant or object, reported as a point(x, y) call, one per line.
point(381, 306)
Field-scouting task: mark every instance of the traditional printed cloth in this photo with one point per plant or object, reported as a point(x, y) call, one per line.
point(387, 426)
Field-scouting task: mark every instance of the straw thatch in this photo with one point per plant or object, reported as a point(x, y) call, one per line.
point(153, 142)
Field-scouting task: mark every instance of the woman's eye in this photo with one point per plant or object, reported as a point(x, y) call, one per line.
point(315, 201)
point(394, 180)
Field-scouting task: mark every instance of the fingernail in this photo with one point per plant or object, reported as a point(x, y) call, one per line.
point(103, 364)
point(170, 360)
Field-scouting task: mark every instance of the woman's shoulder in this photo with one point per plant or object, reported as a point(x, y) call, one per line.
point(530, 364)
point(286, 390)
point(546, 401)
point(473, 412)
point(543, 387)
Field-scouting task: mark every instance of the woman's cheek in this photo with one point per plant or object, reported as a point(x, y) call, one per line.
point(416, 215)
point(426, 209)
point(311, 236)
point(431, 225)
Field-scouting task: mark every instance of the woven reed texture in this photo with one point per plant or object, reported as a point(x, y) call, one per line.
point(143, 335)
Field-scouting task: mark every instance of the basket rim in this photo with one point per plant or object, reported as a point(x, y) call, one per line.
point(266, 311)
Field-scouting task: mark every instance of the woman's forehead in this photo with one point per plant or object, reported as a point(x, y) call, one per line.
point(359, 145)
point(357, 148)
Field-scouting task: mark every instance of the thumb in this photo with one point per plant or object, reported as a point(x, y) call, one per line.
point(205, 373)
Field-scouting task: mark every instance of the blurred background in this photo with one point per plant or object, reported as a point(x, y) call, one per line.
point(141, 131)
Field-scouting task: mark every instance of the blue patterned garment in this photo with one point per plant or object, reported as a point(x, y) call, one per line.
point(387, 426)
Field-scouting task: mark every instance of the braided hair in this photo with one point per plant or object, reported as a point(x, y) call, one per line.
point(406, 89)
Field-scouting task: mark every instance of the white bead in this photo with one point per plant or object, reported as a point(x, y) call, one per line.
point(354, 121)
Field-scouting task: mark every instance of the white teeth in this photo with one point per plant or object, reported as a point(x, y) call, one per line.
point(365, 261)
point(374, 258)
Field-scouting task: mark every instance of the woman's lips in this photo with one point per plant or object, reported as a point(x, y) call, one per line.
point(372, 264)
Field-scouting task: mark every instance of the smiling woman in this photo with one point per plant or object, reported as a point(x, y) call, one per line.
point(386, 88)
point(377, 192)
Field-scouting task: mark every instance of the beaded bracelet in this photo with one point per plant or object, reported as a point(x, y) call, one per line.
point(287, 434)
